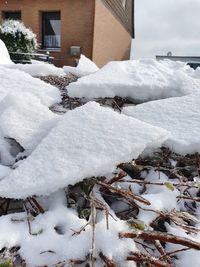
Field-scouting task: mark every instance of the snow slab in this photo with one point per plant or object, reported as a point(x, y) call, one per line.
point(88, 141)
point(40, 69)
point(4, 55)
point(85, 67)
point(12, 80)
point(179, 115)
point(141, 80)
point(24, 118)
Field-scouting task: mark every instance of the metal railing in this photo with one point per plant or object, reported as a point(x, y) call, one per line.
point(38, 56)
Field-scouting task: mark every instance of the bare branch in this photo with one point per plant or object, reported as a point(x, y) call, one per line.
point(145, 258)
point(108, 262)
point(164, 237)
point(127, 194)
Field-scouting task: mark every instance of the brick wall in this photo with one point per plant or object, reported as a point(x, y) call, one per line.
point(111, 41)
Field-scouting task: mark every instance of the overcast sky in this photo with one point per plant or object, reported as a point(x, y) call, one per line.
point(166, 25)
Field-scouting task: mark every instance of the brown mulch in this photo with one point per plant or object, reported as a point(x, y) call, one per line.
point(68, 103)
point(59, 81)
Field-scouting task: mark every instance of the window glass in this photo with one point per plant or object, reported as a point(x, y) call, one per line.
point(15, 15)
point(51, 29)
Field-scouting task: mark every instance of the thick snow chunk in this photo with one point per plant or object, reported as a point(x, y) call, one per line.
point(88, 141)
point(40, 69)
point(178, 115)
point(141, 80)
point(25, 119)
point(18, 81)
point(85, 67)
point(4, 55)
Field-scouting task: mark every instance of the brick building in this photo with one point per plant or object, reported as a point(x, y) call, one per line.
point(100, 29)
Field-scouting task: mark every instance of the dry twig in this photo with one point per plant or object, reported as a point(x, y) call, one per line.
point(164, 237)
point(127, 194)
point(147, 259)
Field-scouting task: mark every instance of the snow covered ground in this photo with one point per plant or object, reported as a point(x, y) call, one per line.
point(94, 174)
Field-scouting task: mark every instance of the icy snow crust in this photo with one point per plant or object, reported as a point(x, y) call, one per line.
point(180, 116)
point(20, 82)
point(141, 80)
point(83, 144)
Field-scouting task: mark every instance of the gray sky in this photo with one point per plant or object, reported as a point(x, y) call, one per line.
point(166, 25)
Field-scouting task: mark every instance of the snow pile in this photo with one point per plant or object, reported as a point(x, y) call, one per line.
point(85, 67)
point(20, 82)
point(141, 80)
point(180, 116)
point(4, 55)
point(83, 144)
point(25, 119)
point(40, 69)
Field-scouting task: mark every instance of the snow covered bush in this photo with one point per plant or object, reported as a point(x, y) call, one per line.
point(18, 38)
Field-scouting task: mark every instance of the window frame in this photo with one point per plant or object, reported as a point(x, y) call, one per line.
point(44, 47)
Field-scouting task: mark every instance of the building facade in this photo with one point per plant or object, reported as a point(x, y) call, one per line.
point(100, 29)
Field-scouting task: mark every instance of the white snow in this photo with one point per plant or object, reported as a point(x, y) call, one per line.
point(88, 141)
point(141, 80)
point(180, 116)
point(20, 82)
point(160, 197)
point(24, 118)
point(4, 55)
point(4, 171)
point(85, 67)
point(40, 69)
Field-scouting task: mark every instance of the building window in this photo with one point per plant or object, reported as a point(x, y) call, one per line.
point(51, 30)
point(15, 15)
